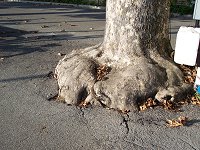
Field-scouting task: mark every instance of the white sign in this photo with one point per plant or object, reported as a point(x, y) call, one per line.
point(187, 44)
point(196, 14)
point(197, 81)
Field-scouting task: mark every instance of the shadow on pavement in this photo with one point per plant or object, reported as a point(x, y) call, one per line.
point(15, 42)
point(12, 42)
point(66, 10)
point(192, 122)
point(23, 78)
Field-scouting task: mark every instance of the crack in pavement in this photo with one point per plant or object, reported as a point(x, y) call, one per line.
point(82, 113)
point(88, 126)
point(125, 122)
point(189, 144)
point(136, 144)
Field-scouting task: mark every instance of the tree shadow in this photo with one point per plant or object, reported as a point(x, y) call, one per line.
point(99, 16)
point(192, 122)
point(66, 10)
point(23, 78)
point(14, 42)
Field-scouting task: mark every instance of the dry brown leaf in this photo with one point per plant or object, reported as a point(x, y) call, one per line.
point(181, 121)
point(84, 104)
point(148, 104)
point(185, 102)
point(189, 73)
point(102, 71)
point(169, 105)
point(143, 107)
point(195, 101)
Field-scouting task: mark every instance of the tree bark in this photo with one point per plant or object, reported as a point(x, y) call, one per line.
point(135, 52)
point(134, 28)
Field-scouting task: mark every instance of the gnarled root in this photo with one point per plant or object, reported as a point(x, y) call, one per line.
point(123, 87)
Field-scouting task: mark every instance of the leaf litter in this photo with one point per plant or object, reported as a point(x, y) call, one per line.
point(181, 121)
point(84, 104)
point(102, 71)
point(150, 103)
point(189, 78)
point(166, 104)
point(189, 73)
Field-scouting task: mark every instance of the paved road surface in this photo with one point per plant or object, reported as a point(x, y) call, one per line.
point(31, 36)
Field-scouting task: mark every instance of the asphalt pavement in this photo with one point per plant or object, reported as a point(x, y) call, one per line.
point(31, 38)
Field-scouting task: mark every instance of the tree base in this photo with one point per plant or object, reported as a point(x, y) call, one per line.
point(122, 85)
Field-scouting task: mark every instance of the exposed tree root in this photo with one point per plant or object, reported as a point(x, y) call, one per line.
point(90, 76)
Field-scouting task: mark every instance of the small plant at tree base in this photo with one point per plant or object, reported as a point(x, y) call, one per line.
point(197, 96)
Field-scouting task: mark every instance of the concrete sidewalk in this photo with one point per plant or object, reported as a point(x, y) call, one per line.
point(31, 36)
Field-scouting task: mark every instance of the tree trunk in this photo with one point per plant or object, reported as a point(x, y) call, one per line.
point(136, 28)
point(131, 64)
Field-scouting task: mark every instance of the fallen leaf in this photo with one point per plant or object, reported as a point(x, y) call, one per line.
point(151, 102)
point(84, 104)
point(181, 121)
point(189, 73)
point(169, 105)
point(102, 71)
point(148, 104)
point(195, 100)
point(143, 107)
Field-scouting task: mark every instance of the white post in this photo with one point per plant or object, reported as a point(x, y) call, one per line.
point(196, 15)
